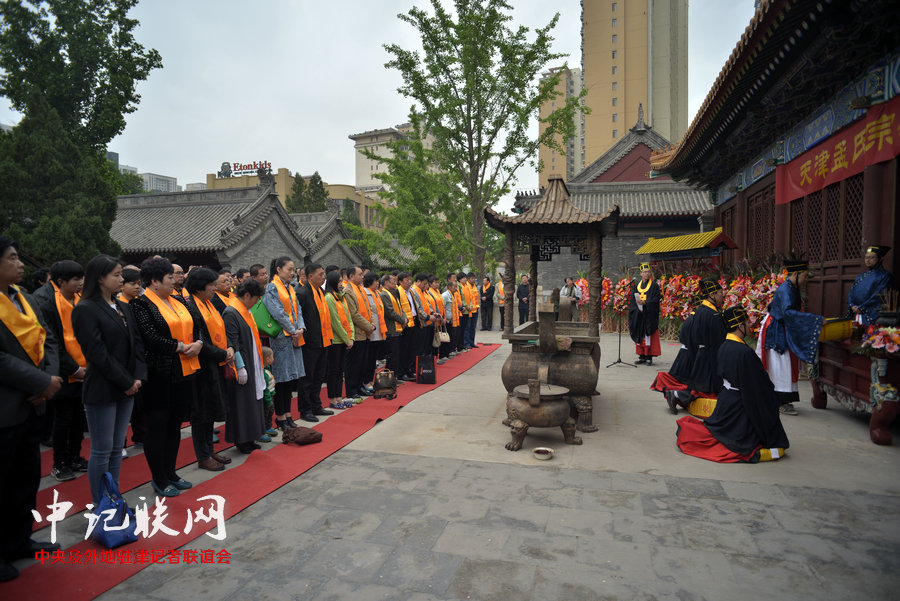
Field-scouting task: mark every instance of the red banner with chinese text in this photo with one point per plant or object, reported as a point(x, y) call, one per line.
point(872, 139)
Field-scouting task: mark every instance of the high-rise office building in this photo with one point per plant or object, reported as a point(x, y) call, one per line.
point(634, 52)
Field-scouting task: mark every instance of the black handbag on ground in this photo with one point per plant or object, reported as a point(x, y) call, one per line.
point(425, 369)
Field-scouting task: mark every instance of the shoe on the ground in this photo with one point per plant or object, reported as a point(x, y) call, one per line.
point(220, 459)
point(181, 484)
point(322, 411)
point(337, 405)
point(308, 417)
point(640, 360)
point(62, 473)
point(264, 438)
point(272, 432)
point(168, 491)
point(247, 447)
point(649, 361)
point(211, 465)
point(290, 423)
point(788, 409)
point(671, 402)
point(408, 378)
point(368, 389)
point(124, 453)
point(138, 445)
point(215, 439)
point(7, 572)
point(79, 464)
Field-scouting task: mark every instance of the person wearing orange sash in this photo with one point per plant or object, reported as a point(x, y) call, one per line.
point(501, 302)
point(246, 413)
point(486, 296)
point(215, 358)
point(172, 342)
point(342, 339)
point(68, 412)
point(281, 301)
point(410, 334)
point(361, 317)
point(426, 315)
point(395, 320)
point(437, 301)
point(223, 290)
point(131, 285)
point(451, 316)
point(28, 355)
point(377, 339)
point(179, 276)
point(318, 337)
point(474, 303)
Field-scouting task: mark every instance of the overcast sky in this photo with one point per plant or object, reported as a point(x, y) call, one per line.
point(288, 80)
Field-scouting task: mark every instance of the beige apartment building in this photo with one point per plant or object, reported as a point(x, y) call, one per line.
point(634, 52)
point(375, 141)
point(572, 162)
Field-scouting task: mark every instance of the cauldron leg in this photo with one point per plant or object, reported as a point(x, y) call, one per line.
point(584, 408)
point(508, 421)
point(880, 422)
point(819, 398)
point(518, 429)
point(568, 429)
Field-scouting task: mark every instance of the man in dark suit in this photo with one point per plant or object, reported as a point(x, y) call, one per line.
point(311, 297)
point(28, 367)
point(486, 292)
point(522, 294)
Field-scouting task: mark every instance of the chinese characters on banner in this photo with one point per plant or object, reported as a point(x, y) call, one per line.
point(872, 139)
point(146, 527)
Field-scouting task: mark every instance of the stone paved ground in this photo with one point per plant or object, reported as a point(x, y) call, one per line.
point(429, 506)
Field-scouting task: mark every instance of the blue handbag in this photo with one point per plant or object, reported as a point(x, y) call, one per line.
point(117, 525)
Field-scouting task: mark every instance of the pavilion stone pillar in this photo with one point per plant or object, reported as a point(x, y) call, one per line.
point(509, 279)
point(595, 278)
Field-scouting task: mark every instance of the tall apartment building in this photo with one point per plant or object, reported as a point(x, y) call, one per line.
point(634, 52)
point(159, 183)
point(568, 165)
point(375, 141)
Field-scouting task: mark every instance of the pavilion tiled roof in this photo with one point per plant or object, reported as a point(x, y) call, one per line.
point(634, 199)
point(554, 208)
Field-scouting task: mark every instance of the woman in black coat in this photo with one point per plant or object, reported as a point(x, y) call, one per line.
point(106, 330)
point(172, 343)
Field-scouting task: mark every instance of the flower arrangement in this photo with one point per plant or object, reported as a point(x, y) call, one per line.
point(582, 284)
point(882, 339)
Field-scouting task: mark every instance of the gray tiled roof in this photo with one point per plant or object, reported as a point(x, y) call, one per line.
point(635, 199)
point(180, 221)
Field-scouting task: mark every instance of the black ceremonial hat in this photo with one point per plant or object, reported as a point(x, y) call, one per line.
point(878, 250)
point(734, 316)
point(795, 265)
point(708, 286)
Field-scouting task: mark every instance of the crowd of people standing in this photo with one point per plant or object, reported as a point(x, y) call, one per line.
point(110, 348)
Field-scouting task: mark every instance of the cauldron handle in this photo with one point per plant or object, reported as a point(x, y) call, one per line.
point(534, 392)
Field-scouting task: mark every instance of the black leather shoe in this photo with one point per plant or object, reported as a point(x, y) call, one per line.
point(290, 423)
point(7, 572)
point(321, 411)
point(308, 417)
point(649, 361)
point(640, 361)
point(28, 551)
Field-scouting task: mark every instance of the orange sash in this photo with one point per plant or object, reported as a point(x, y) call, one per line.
point(24, 326)
point(361, 301)
point(64, 308)
point(404, 303)
point(457, 303)
point(251, 323)
point(123, 298)
point(221, 296)
point(288, 299)
point(438, 302)
point(324, 316)
point(181, 326)
point(214, 323)
point(426, 305)
point(398, 307)
point(501, 298)
point(342, 314)
point(474, 300)
point(379, 307)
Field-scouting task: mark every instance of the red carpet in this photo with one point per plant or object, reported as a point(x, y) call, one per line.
point(241, 486)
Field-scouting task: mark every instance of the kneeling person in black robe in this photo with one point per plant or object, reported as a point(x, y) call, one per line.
point(745, 425)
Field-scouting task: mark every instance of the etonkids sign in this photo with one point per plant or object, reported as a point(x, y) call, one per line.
point(236, 169)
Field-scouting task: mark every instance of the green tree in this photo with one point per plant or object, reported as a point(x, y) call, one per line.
point(295, 202)
point(125, 183)
point(307, 196)
point(419, 212)
point(81, 56)
point(316, 195)
point(57, 200)
point(476, 86)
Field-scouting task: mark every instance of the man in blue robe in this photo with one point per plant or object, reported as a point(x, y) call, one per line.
point(864, 299)
point(788, 335)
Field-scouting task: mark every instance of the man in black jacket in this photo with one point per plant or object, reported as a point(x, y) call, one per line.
point(522, 293)
point(28, 368)
point(311, 297)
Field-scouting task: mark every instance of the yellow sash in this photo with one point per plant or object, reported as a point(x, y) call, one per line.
point(24, 326)
point(501, 297)
point(64, 308)
point(288, 299)
point(407, 310)
point(214, 323)
point(379, 307)
point(398, 307)
point(361, 302)
point(324, 316)
point(342, 314)
point(251, 323)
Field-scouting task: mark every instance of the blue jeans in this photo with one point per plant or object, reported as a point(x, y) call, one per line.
point(469, 335)
point(108, 425)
